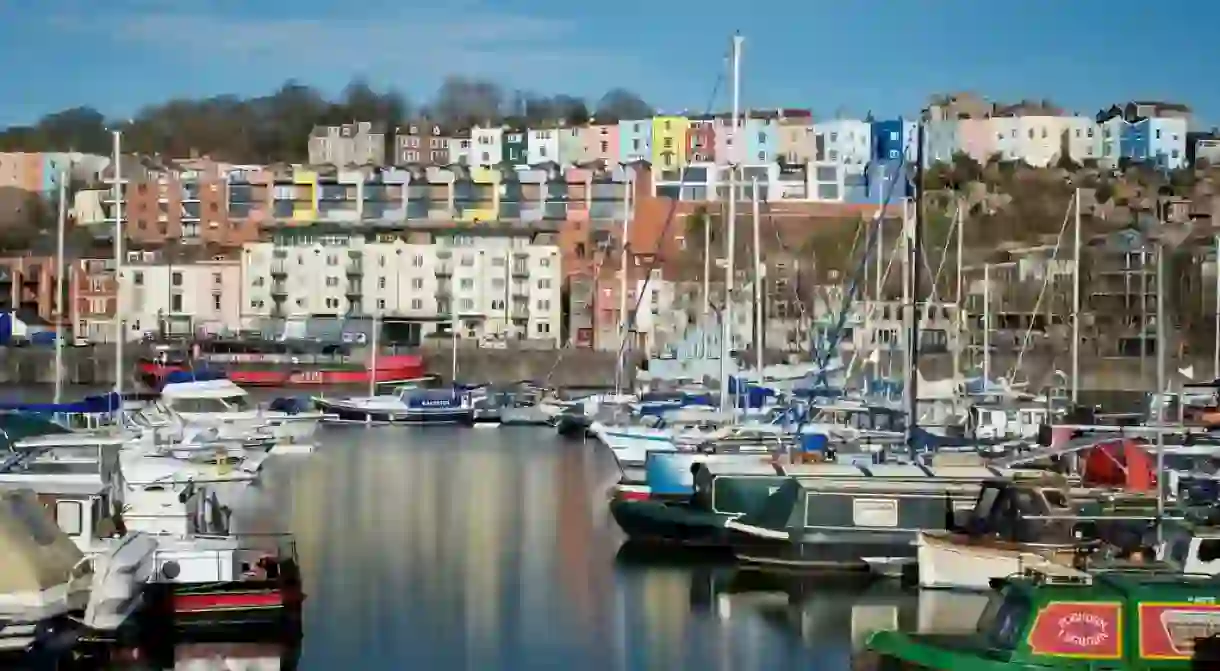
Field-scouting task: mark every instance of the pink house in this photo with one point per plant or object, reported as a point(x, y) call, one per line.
point(977, 138)
point(600, 142)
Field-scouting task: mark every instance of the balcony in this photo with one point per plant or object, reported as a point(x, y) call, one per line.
point(444, 290)
point(279, 289)
point(279, 269)
point(355, 269)
point(443, 270)
point(520, 270)
point(354, 289)
point(520, 311)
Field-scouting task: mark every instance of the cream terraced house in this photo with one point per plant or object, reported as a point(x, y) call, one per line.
point(489, 286)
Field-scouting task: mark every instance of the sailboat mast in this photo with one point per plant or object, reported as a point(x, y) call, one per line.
point(1162, 397)
point(1216, 314)
point(915, 255)
point(373, 358)
point(986, 325)
point(758, 279)
point(622, 291)
point(1076, 302)
point(726, 317)
point(120, 332)
point(59, 286)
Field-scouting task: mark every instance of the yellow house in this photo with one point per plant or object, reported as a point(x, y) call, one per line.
point(305, 195)
point(669, 142)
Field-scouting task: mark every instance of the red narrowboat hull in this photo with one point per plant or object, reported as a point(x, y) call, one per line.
point(398, 367)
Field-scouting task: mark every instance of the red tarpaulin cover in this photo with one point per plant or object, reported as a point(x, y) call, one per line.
point(1121, 463)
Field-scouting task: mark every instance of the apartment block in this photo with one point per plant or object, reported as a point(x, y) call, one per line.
point(490, 286)
point(93, 292)
point(847, 142)
point(701, 140)
point(668, 138)
point(356, 143)
point(795, 139)
point(635, 140)
point(160, 297)
point(192, 202)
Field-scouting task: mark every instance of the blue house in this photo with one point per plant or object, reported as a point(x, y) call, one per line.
point(894, 140)
point(635, 140)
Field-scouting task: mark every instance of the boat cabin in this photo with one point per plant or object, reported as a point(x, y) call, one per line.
point(1007, 420)
point(1017, 512)
point(1121, 619)
point(77, 479)
point(861, 417)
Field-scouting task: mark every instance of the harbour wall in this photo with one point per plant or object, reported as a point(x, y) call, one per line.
point(568, 368)
point(587, 368)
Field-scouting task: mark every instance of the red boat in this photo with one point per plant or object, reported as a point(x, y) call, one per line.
point(266, 363)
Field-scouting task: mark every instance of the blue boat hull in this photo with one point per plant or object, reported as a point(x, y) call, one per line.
point(407, 416)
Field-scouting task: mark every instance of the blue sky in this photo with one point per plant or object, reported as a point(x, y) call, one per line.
point(845, 57)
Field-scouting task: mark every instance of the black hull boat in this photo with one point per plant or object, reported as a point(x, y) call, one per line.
point(349, 412)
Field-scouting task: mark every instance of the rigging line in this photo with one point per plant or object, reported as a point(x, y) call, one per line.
point(629, 320)
point(824, 358)
point(625, 328)
point(1012, 372)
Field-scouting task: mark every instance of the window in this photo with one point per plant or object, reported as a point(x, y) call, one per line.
point(635, 145)
point(1077, 132)
point(380, 282)
point(544, 305)
point(1031, 133)
point(175, 303)
point(605, 146)
point(762, 137)
point(497, 261)
point(332, 281)
point(1158, 133)
point(1089, 132)
point(542, 327)
point(762, 157)
point(1043, 132)
point(544, 284)
point(667, 143)
point(834, 137)
point(137, 278)
point(216, 302)
point(544, 262)
point(417, 283)
point(417, 261)
point(69, 515)
point(466, 304)
point(467, 260)
point(417, 304)
point(380, 303)
point(466, 283)
point(176, 279)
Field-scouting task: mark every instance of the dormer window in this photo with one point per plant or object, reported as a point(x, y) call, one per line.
point(436, 130)
point(413, 130)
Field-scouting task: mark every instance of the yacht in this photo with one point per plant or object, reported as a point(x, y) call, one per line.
point(217, 403)
point(632, 441)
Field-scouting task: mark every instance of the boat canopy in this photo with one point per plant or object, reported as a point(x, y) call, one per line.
point(35, 555)
point(193, 375)
point(88, 405)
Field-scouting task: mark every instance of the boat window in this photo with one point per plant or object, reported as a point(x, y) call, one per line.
point(1179, 551)
point(69, 515)
point(198, 405)
point(1055, 498)
point(238, 403)
point(1209, 549)
point(987, 499)
point(34, 517)
point(1003, 620)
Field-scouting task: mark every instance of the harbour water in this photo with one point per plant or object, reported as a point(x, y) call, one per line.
point(490, 550)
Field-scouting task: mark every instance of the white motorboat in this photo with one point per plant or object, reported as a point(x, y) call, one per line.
point(631, 442)
point(218, 403)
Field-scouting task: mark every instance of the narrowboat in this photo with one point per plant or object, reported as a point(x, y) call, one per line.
point(1146, 619)
point(1040, 523)
point(853, 517)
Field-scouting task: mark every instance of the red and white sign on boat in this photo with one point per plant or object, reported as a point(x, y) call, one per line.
point(1082, 630)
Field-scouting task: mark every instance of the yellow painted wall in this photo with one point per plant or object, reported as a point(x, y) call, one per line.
point(673, 129)
point(306, 210)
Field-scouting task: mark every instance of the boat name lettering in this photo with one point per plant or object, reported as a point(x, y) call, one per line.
point(435, 402)
point(1085, 630)
point(874, 512)
point(1169, 630)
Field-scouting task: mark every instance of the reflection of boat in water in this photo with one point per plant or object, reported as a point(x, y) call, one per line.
point(826, 614)
point(218, 656)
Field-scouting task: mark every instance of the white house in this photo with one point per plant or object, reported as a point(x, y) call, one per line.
point(180, 298)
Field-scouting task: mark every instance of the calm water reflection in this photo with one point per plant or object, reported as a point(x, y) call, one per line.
point(490, 550)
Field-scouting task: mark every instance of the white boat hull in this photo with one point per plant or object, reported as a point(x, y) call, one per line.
point(946, 564)
point(631, 445)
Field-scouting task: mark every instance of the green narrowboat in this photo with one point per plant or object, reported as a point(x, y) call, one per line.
point(722, 491)
point(1130, 619)
point(856, 517)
